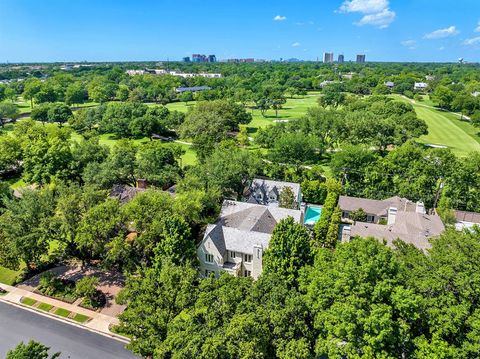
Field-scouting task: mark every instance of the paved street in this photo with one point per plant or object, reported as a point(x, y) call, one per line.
point(18, 325)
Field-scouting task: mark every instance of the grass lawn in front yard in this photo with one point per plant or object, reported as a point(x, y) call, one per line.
point(28, 301)
point(8, 276)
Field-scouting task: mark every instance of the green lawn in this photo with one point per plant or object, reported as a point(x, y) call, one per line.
point(62, 312)
point(45, 307)
point(292, 109)
point(8, 276)
point(81, 318)
point(446, 129)
point(28, 301)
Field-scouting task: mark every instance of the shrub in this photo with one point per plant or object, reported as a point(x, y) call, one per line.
point(86, 287)
point(49, 283)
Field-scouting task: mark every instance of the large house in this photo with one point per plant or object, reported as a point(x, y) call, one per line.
point(391, 219)
point(420, 86)
point(268, 192)
point(236, 242)
point(377, 210)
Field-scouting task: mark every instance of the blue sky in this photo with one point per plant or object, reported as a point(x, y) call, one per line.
point(107, 30)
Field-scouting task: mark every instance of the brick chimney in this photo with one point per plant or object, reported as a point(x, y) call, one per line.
point(142, 183)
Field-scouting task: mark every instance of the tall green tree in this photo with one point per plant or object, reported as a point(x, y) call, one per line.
point(288, 251)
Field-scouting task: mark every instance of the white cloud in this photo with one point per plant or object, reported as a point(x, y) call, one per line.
point(477, 29)
point(364, 6)
point(375, 12)
point(279, 18)
point(472, 42)
point(382, 19)
point(410, 44)
point(296, 44)
point(442, 33)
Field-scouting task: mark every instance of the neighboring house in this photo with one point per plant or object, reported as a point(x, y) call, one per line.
point(326, 83)
point(405, 220)
point(420, 86)
point(466, 220)
point(377, 210)
point(236, 242)
point(268, 192)
point(126, 193)
point(192, 89)
point(389, 84)
point(430, 78)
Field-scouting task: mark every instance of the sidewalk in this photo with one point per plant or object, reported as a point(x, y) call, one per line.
point(99, 322)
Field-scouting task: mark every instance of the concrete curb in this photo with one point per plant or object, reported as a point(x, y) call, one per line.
point(66, 321)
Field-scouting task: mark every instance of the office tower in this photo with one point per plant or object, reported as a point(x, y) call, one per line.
point(341, 59)
point(360, 59)
point(327, 57)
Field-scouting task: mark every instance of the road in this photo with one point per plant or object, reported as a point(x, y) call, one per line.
point(18, 325)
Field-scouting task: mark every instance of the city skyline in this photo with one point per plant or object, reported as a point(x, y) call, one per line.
point(411, 30)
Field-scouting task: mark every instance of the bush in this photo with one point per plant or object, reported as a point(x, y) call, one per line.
point(49, 284)
point(86, 287)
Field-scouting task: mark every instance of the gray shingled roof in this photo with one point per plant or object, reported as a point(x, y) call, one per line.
point(373, 206)
point(125, 193)
point(243, 225)
point(268, 185)
point(254, 217)
point(410, 227)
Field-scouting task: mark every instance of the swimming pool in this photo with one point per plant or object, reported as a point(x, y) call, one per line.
point(312, 215)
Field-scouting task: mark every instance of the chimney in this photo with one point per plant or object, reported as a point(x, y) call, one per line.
point(420, 208)
point(142, 183)
point(346, 233)
point(392, 215)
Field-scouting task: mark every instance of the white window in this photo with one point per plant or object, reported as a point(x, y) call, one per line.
point(370, 219)
point(208, 258)
point(232, 254)
point(247, 258)
point(258, 253)
point(345, 214)
point(247, 273)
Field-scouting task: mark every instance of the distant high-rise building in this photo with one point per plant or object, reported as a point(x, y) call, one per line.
point(341, 59)
point(327, 57)
point(360, 59)
point(186, 59)
point(203, 58)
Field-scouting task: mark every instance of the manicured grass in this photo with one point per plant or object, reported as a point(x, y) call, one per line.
point(80, 318)
point(446, 129)
point(8, 276)
point(45, 307)
point(28, 301)
point(62, 312)
point(292, 109)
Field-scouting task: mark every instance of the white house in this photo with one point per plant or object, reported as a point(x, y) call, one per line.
point(419, 86)
point(236, 242)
